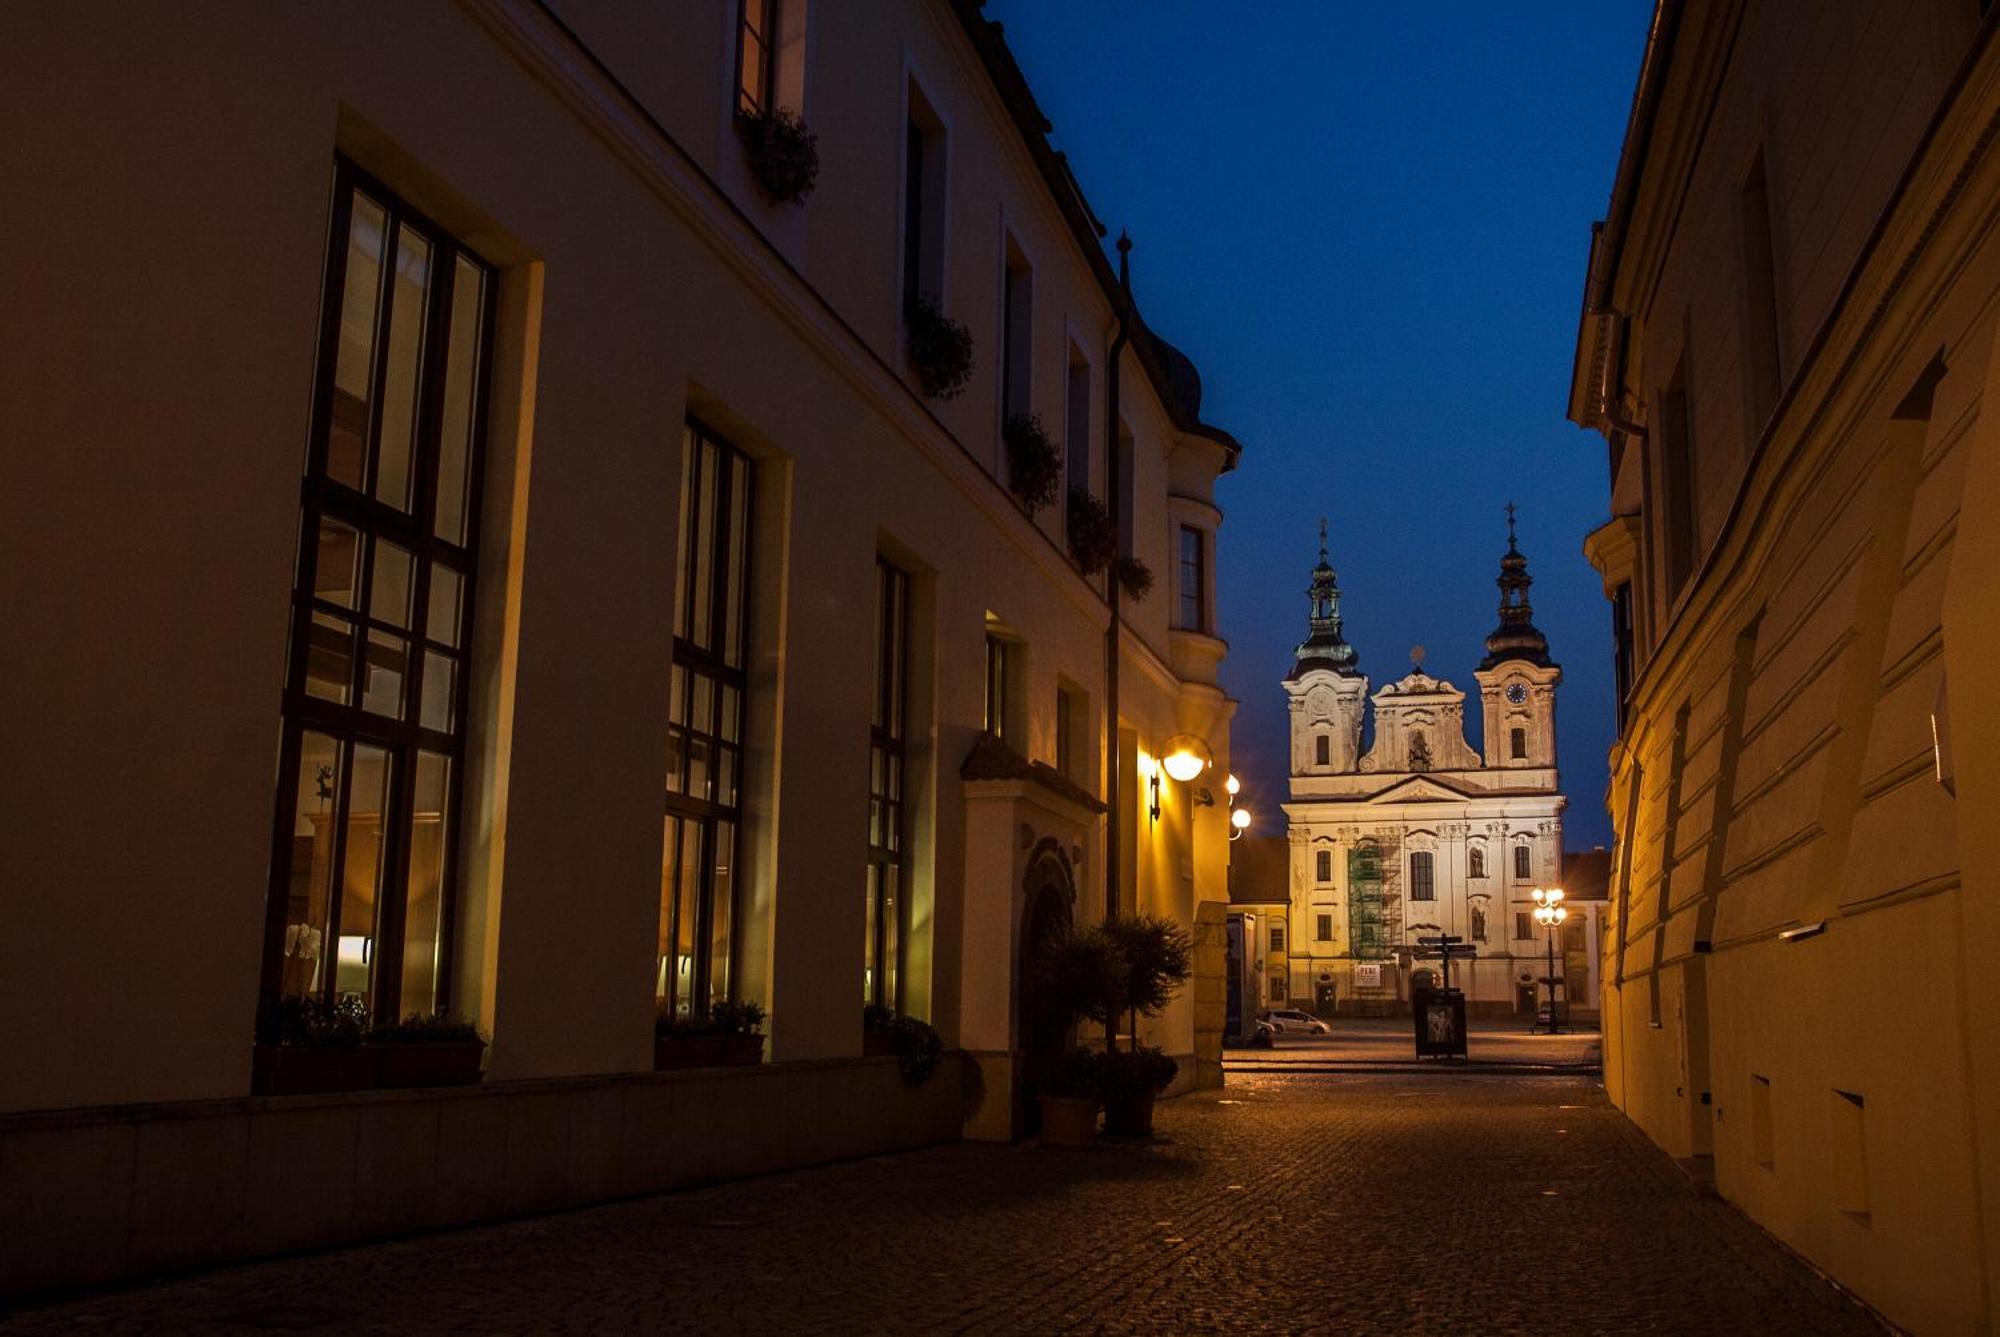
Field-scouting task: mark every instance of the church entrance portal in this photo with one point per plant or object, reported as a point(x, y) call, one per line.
point(1042, 1031)
point(1323, 999)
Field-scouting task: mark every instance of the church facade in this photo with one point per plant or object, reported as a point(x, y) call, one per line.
point(1404, 831)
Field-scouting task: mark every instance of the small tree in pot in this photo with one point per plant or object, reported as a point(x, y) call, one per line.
point(1157, 956)
point(1034, 465)
point(1069, 1087)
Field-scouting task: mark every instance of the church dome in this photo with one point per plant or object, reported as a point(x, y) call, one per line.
point(1517, 637)
point(1324, 647)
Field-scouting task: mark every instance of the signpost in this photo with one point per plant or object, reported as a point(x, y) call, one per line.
point(1440, 1013)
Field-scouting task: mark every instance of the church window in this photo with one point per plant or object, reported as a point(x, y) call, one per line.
point(1423, 886)
point(1323, 866)
point(1476, 862)
point(1524, 927)
point(1523, 861)
point(1420, 753)
point(1517, 744)
point(1322, 750)
point(1323, 928)
point(1277, 937)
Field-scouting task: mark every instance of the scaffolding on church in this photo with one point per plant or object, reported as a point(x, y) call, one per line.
point(1374, 898)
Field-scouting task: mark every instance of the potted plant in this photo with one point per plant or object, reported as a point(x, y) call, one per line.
point(940, 349)
point(877, 1031)
point(426, 1051)
point(685, 1042)
point(784, 154)
point(1093, 537)
point(1034, 465)
point(308, 1047)
point(1068, 1089)
point(1133, 1080)
point(1134, 577)
point(740, 1027)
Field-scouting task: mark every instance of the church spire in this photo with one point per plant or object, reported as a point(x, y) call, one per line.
point(1324, 647)
point(1516, 637)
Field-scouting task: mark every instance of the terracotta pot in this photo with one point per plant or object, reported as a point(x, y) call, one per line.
point(1068, 1121)
point(299, 1070)
point(453, 1064)
point(877, 1044)
point(742, 1051)
point(1130, 1115)
point(687, 1051)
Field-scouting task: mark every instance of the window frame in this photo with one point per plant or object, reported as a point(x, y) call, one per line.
point(1193, 579)
point(1423, 875)
point(405, 739)
point(1277, 937)
point(1323, 926)
point(1323, 867)
point(886, 935)
point(1517, 744)
point(999, 685)
point(1524, 861)
point(767, 67)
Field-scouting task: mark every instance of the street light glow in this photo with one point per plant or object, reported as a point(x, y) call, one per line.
point(1240, 819)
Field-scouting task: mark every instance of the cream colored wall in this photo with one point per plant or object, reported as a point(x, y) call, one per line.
point(164, 288)
point(1777, 770)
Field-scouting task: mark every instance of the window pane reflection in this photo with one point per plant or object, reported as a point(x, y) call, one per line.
point(308, 898)
point(396, 439)
point(461, 388)
point(423, 894)
point(361, 870)
point(354, 362)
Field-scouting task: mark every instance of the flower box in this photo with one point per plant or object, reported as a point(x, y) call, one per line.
point(743, 1050)
point(308, 1070)
point(673, 1052)
point(454, 1063)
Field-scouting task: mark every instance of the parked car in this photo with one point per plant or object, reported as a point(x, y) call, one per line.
point(1264, 1035)
point(1288, 1021)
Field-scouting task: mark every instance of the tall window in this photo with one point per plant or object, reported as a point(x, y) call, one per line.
point(998, 688)
point(1277, 937)
point(1277, 988)
point(705, 727)
point(373, 744)
point(756, 59)
point(1076, 424)
point(1517, 744)
point(1523, 861)
point(1193, 572)
point(923, 202)
point(1524, 925)
point(1323, 866)
point(1422, 885)
point(1622, 649)
point(1476, 861)
point(1075, 749)
point(1323, 928)
point(883, 952)
point(1017, 325)
point(1322, 750)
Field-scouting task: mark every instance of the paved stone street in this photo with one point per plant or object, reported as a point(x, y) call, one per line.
point(1284, 1203)
point(1360, 1040)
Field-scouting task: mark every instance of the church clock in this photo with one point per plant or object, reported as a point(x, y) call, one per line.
point(1517, 693)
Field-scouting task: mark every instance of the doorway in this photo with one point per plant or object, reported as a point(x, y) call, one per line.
point(1323, 1000)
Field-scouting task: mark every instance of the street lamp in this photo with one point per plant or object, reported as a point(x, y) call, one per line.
point(1239, 821)
point(1549, 913)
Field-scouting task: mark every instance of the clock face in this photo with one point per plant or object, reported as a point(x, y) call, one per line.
point(1517, 693)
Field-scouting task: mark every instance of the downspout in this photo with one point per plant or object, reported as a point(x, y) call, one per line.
point(1114, 749)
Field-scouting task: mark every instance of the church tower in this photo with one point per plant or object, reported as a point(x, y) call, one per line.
point(1327, 691)
point(1517, 679)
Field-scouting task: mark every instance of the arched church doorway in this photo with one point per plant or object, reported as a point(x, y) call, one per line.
point(1051, 892)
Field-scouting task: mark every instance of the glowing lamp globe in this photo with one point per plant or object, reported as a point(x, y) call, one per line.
point(1240, 819)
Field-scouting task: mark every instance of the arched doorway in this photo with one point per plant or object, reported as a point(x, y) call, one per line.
point(1051, 892)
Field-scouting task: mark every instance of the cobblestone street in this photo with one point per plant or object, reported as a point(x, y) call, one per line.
point(1283, 1203)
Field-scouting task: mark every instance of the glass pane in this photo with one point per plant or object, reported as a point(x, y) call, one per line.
point(877, 717)
point(361, 871)
point(701, 710)
point(461, 389)
point(441, 620)
point(687, 887)
point(663, 959)
point(731, 719)
point(725, 776)
point(677, 696)
point(389, 588)
point(868, 963)
point(722, 911)
point(739, 538)
point(697, 767)
point(337, 574)
point(395, 443)
point(703, 594)
point(309, 870)
point(682, 604)
point(382, 675)
point(354, 361)
point(330, 658)
point(890, 943)
point(676, 759)
point(423, 901)
point(440, 690)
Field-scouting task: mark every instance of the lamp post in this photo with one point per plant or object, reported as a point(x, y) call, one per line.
point(1550, 914)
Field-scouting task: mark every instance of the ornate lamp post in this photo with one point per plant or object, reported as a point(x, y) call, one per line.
point(1550, 914)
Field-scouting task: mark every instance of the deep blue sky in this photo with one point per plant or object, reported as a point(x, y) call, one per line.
point(1367, 225)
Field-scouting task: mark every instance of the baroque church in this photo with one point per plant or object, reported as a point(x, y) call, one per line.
point(1404, 831)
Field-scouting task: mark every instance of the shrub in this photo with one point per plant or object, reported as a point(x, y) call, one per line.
point(731, 1018)
point(784, 154)
point(1093, 535)
point(1134, 577)
point(915, 1043)
point(308, 1023)
point(1077, 1074)
point(1034, 465)
point(1136, 1072)
point(940, 349)
point(1082, 975)
point(421, 1029)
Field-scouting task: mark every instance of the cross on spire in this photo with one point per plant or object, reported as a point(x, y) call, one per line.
point(1510, 524)
point(1322, 538)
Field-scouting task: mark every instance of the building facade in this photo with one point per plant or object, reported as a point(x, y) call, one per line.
point(1788, 341)
point(1411, 833)
point(483, 539)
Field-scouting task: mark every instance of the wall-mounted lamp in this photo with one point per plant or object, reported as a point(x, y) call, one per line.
point(1233, 785)
point(1187, 757)
point(1150, 768)
point(1239, 822)
point(1204, 797)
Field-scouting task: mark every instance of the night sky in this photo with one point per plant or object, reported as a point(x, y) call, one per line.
point(1367, 225)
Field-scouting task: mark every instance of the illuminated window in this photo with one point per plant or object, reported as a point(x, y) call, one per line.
point(705, 727)
point(1422, 885)
point(1323, 866)
point(756, 56)
point(373, 743)
point(884, 943)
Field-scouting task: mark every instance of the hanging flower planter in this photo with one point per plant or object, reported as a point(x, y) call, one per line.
point(1034, 465)
point(1092, 535)
point(1134, 577)
point(940, 349)
point(784, 155)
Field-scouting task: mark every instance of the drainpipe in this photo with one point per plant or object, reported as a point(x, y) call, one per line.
point(1114, 758)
